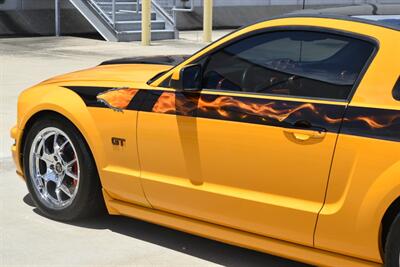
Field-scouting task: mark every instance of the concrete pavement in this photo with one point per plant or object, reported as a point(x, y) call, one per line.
point(29, 239)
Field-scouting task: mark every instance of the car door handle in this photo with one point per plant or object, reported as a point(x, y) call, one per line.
point(303, 130)
point(305, 135)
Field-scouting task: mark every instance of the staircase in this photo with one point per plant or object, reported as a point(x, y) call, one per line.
point(120, 20)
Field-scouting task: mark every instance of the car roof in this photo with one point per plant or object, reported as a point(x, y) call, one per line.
point(386, 21)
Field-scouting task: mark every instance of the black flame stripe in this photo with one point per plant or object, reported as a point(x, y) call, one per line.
point(385, 126)
point(89, 94)
point(359, 121)
point(190, 104)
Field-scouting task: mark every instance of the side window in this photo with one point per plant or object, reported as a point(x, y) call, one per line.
point(294, 63)
point(396, 90)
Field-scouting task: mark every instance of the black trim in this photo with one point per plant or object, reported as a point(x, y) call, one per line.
point(374, 123)
point(152, 97)
point(138, 100)
point(89, 94)
point(172, 60)
point(280, 113)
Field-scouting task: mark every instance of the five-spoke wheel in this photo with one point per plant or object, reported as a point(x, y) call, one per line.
point(54, 167)
point(60, 170)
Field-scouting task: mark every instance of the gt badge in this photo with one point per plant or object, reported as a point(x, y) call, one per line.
point(118, 141)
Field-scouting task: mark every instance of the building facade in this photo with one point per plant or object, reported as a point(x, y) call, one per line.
point(36, 17)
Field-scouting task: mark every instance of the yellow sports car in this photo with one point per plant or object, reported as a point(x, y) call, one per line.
point(283, 137)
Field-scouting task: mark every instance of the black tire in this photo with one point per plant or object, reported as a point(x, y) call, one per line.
point(392, 246)
point(88, 200)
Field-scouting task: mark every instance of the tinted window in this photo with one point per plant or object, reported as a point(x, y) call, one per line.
point(295, 63)
point(396, 90)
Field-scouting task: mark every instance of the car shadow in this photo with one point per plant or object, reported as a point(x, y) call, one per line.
point(206, 249)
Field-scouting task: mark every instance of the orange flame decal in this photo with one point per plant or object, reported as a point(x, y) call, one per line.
point(242, 108)
point(165, 103)
point(268, 110)
point(332, 120)
point(118, 98)
point(373, 123)
point(171, 104)
point(370, 121)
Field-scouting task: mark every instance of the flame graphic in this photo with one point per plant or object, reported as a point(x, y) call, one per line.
point(268, 110)
point(165, 103)
point(169, 103)
point(117, 98)
point(227, 107)
point(332, 120)
point(373, 123)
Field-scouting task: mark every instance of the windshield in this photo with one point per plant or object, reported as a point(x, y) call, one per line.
point(392, 21)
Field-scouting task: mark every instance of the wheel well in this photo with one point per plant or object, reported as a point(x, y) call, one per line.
point(31, 122)
point(44, 114)
point(387, 220)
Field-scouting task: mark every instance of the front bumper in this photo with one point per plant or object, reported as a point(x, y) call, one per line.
point(15, 134)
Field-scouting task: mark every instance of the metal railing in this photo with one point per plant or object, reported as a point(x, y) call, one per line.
point(111, 18)
point(167, 17)
point(102, 13)
point(175, 10)
point(183, 9)
point(159, 9)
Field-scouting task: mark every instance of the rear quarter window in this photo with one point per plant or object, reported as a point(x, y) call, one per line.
point(396, 90)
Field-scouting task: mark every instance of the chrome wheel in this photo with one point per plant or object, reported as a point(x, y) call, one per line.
point(54, 168)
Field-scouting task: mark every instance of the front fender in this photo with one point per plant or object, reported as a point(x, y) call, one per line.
point(68, 104)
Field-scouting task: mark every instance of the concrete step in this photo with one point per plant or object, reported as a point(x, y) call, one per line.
point(132, 6)
point(124, 9)
point(130, 16)
point(117, 1)
point(137, 25)
point(128, 36)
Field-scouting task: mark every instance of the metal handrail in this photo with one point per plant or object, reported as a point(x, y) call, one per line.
point(162, 12)
point(175, 10)
point(191, 9)
point(111, 20)
point(102, 13)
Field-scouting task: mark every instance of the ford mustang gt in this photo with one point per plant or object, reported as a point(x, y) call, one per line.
point(283, 137)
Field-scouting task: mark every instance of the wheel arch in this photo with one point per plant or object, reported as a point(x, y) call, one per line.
point(41, 101)
point(47, 114)
point(387, 220)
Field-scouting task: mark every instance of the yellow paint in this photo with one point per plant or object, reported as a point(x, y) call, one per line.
point(216, 165)
point(232, 236)
point(205, 176)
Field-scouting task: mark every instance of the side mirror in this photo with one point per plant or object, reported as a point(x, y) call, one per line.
point(187, 78)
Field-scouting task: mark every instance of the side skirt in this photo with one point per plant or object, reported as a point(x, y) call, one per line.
point(232, 236)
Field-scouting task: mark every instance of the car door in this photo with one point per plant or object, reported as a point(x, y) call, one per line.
point(253, 149)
